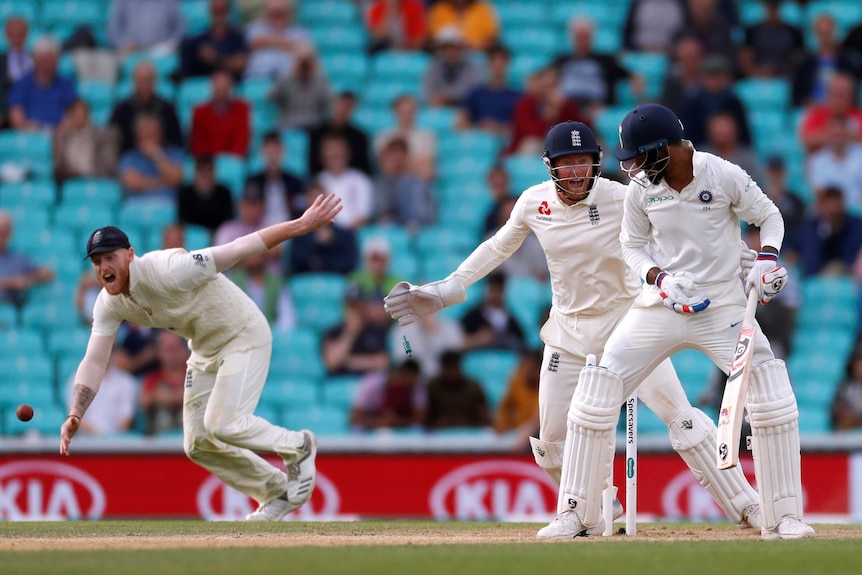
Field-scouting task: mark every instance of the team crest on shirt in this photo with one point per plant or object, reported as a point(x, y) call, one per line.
point(705, 197)
point(593, 212)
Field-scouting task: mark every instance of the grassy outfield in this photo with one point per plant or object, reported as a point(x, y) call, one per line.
point(413, 548)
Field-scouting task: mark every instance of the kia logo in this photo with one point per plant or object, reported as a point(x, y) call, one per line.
point(496, 489)
point(683, 496)
point(218, 502)
point(45, 490)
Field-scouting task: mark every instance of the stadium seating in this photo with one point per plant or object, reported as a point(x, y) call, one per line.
point(493, 369)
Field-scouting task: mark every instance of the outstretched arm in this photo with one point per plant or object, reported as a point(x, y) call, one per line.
point(89, 377)
point(319, 214)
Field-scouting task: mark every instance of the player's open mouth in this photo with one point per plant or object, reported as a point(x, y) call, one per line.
point(109, 278)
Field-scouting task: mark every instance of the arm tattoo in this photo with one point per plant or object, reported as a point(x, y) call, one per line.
point(82, 397)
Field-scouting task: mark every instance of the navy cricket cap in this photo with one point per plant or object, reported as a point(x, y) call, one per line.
point(647, 127)
point(106, 239)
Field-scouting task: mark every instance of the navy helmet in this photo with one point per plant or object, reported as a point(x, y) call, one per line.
point(645, 131)
point(571, 138)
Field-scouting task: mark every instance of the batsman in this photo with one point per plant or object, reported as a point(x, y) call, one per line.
point(576, 215)
point(680, 234)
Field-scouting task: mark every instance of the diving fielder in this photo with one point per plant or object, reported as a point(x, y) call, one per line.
point(231, 345)
point(680, 234)
point(576, 216)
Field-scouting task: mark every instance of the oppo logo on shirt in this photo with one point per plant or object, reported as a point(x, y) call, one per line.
point(659, 199)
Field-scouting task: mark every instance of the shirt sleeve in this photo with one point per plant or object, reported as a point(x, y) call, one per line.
point(192, 269)
point(496, 249)
point(753, 206)
point(635, 234)
point(104, 321)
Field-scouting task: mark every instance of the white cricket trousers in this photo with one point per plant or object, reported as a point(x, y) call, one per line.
point(568, 340)
point(221, 432)
point(648, 335)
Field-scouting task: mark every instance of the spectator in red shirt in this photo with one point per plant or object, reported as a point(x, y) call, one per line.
point(543, 106)
point(162, 389)
point(840, 103)
point(221, 126)
point(396, 25)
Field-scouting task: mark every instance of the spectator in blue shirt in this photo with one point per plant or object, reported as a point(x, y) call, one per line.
point(151, 171)
point(490, 106)
point(136, 25)
point(40, 98)
point(17, 271)
point(219, 47)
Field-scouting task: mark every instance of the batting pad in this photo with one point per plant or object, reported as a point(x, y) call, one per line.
point(589, 449)
point(693, 437)
point(549, 456)
point(774, 420)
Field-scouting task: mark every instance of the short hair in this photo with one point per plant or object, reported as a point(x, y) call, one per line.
point(46, 44)
point(498, 50)
point(272, 137)
point(410, 366)
point(497, 279)
point(450, 358)
point(396, 143)
point(205, 161)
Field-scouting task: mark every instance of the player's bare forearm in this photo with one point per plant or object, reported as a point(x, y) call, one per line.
point(82, 397)
point(651, 275)
point(319, 214)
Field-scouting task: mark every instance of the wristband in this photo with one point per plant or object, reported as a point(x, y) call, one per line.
point(764, 256)
point(658, 278)
point(73, 415)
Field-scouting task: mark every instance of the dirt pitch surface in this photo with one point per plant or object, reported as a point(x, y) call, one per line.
point(428, 536)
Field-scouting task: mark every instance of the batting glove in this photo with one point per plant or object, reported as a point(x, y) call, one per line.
point(407, 302)
point(766, 277)
point(746, 261)
point(679, 293)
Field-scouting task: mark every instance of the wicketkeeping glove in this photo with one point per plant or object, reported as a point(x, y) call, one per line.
point(679, 293)
point(766, 277)
point(407, 302)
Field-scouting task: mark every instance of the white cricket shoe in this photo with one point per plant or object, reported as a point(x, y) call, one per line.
point(788, 528)
point(301, 472)
point(751, 517)
point(275, 510)
point(567, 525)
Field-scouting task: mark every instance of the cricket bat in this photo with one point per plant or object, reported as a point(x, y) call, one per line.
point(733, 401)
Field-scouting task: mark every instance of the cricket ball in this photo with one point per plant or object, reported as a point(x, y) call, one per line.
point(24, 412)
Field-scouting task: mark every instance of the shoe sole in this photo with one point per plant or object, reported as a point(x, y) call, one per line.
point(563, 537)
point(789, 537)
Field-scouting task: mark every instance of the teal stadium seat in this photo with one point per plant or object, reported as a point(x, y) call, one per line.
point(374, 119)
point(695, 371)
point(754, 12)
point(382, 92)
point(34, 368)
point(31, 150)
point(231, 171)
point(768, 128)
point(514, 15)
point(146, 215)
point(82, 219)
point(96, 93)
point(339, 38)
point(8, 316)
point(35, 193)
point(434, 241)
point(290, 393)
point(399, 67)
point(814, 420)
point(648, 422)
point(324, 420)
point(30, 217)
point(535, 40)
point(319, 299)
point(69, 14)
point(350, 69)
point(438, 120)
point(68, 344)
point(491, 368)
point(341, 391)
point(296, 354)
point(327, 12)
point(22, 8)
point(195, 15)
point(192, 92)
point(522, 66)
point(764, 93)
point(49, 316)
point(20, 342)
point(255, 90)
point(528, 299)
point(469, 142)
point(84, 191)
point(525, 171)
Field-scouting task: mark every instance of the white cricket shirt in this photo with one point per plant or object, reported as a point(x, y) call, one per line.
point(183, 292)
point(581, 244)
point(698, 229)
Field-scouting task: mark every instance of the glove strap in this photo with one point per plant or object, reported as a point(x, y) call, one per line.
point(766, 256)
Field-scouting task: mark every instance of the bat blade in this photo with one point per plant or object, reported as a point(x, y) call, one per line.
point(733, 400)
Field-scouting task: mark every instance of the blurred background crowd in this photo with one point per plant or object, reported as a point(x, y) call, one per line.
point(192, 122)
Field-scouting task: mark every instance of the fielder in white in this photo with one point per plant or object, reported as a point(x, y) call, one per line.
point(231, 346)
point(576, 216)
point(680, 233)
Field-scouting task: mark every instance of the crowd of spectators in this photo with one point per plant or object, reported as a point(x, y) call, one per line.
point(162, 153)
